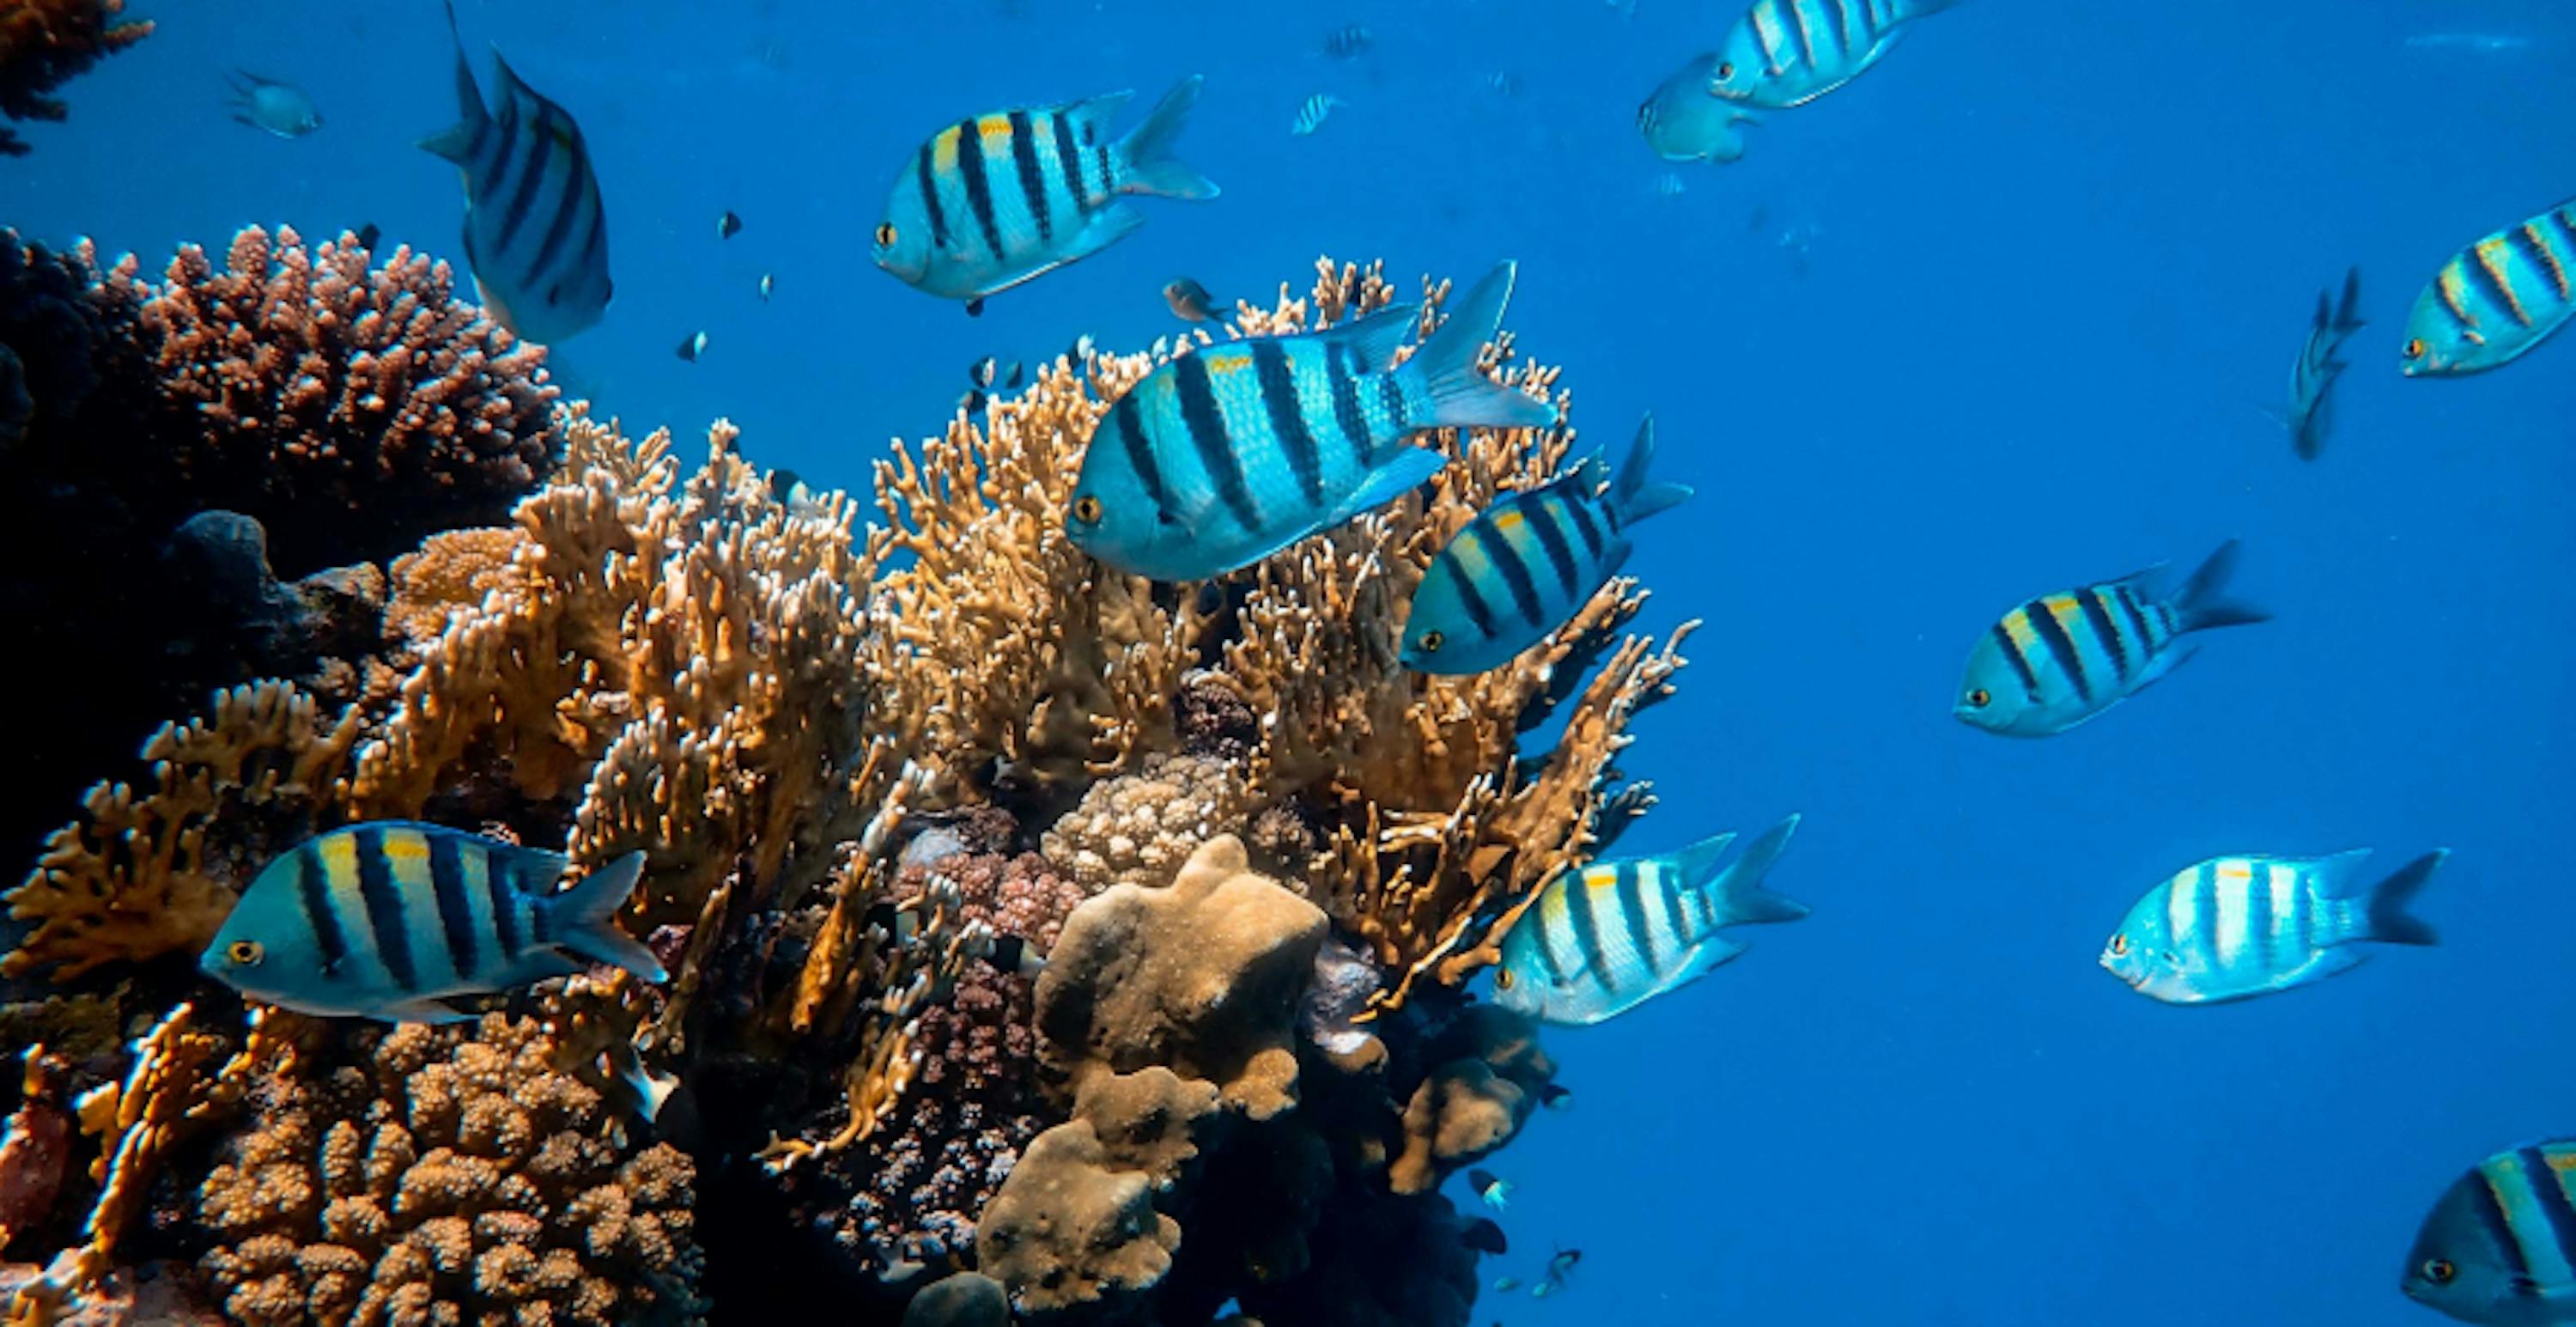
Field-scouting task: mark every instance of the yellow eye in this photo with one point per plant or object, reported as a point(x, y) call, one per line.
point(1980, 698)
point(245, 953)
point(2415, 350)
point(1431, 641)
point(1502, 979)
point(1725, 71)
point(1086, 509)
point(2119, 946)
point(885, 234)
point(2439, 1271)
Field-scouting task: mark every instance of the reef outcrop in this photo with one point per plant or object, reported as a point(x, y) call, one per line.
point(43, 44)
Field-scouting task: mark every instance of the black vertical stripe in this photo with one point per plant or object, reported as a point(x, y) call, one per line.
point(2020, 665)
point(2504, 296)
point(384, 905)
point(2097, 614)
point(313, 890)
point(2555, 1210)
point(2204, 914)
point(1547, 932)
point(1068, 163)
point(1632, 910)
point(1587, 525)
point(1507, 560)
point(1123, 417)
point(2526, 240)
point(455, 910)
point(559, 230)
point(1342, 369)
point(523, 198)
point(541, 896)
point(1108, 171)
point(2499, 1226)
point(928, 183)
point(1390, 398)
point(2565, 218)
point(1684, 933)
point(1542, 518)
point(489, 179)
point(1842, 29)
point(2060, 646)
point(1201, 419)
point(1024, 157)
point(979, 186)
point(1587, 934)
point(2137, 618)
point(2258, 920)
point(503, 898)
point(1288, 417)
point(1469, 598)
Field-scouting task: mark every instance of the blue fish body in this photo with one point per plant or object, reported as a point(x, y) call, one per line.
point(2312, 378)
point(1786, 53)
point(2062, 658)
point(1524, 566)
point(2232, 928)
point(1232, 452)
point(1684, 121)
point(536, 232)
point(1602, 940)
point(2499, 1248)
point(998, 199)
point(388, 918)
point(2496, 299)
point(272, 107)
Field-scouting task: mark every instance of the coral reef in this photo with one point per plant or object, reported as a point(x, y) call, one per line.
point(43, 43)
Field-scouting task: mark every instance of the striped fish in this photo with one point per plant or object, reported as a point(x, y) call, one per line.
point(2063, 658)
point(2500, 1246)
point(1786, 53)
point(2236, 927)
point(1603, 940)
point(1525, 564)
point(536, 233)
point(1311, 116)
point(1682, 122)
point(2496, 299)
point(998, 199)
point(388, 919)
point(1231, 452)
point(2311, 410)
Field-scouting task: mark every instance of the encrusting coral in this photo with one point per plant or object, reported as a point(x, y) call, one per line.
point(43, 43)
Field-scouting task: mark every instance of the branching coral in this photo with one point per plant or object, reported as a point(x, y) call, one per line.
point(43, 43)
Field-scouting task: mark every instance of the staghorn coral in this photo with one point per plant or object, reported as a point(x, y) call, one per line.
point(43, 44)
point(425, 1174)
point(1141, 826)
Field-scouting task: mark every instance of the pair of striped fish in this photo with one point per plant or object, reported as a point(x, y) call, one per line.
point(2232, 928)
point(1786, 53)
point(1229, 453)
point(536, 232)
point(1006, 197)
point(2311, 410)
point(2062, 658)
point(1603, 940)
point(2496, 299)
point(389, 919)
point(1520, 569)
point(2500, 1246)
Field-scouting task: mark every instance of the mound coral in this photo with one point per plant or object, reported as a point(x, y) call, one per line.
point(43, 43)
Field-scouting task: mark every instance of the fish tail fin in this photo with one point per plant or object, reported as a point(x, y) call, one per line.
point(1442, 381)
point(1739, 888)
point(1633, 497)
point(585, 919)
point(453, 142)
point(2386, 918)
point(1147, 148)
point(2200, 606)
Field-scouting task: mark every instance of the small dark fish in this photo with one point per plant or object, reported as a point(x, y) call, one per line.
point(694, 346)
point(368, 234)
point(984, 371)
point(1190, 301)
point(1563, 1262)
point(1556, 1098)
point(1083, 348)
point(1349, 42)
point(1018, 374)
point(728, 225)
point(1484, 1236)
point(1495, 1191)
point(768, 287)
point(972, 402)
point(272, 107)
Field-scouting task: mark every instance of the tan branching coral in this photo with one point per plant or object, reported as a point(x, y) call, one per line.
point(451, 572)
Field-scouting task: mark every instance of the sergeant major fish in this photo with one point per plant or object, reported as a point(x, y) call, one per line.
point(1682, 121)
point(1311, 116)
point(272, 107)
point(1603, 940)
point(1786, 53)
point(536, 233)
point(2500, 1246)
point(2312, 379)
point(2062, 658)
point(1525, 564)
point(1225, 455)
point(2495, 299)
point(2232, 928)
point(1006, 197)
point(389, 918)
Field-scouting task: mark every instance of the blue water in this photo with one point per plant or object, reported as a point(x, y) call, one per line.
point(2062, 254)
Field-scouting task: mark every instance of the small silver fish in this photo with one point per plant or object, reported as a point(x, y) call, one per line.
point(768, 287)
point(1311, 116)
point(1669, 185)
point(694, 346)
point(271, 107)
point(1502, 83)
point(1191, 301)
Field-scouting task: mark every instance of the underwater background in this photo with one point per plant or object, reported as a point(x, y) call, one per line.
point(1998, 318)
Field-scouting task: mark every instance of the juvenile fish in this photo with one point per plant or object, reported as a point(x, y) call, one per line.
point(388, 919)
point(1524, 566)
point(1491, 1189)
point(2495, 299)
point(1191, 301)
point(2232, 928)
point(1786, 53)
point(728, 225)
point(1682, 121)
point(998, 199)
point(536, 233)
point(692, 346)
point(2500, 1246)
point(1348, 41)
point(1223, 456)
point(2312, 379)
point(2062, 658)
point(272, 107)
point(1311, 116)
point(1603, 940)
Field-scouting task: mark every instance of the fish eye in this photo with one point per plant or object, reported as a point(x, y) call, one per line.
point(885, 234)
point(1502, 979)
point(245, 953)
point(2439, 1271)
point(2415, 350)
point(1725, 71)
point(2120, 946)
point(1086, 509)
point(1431, 641)
point(1980, 698)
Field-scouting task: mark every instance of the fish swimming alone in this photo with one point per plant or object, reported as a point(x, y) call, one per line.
point(1225, 455)
point(272, 107)
point(1350, 40)
point(536, 232)
point(692, 346)
point(1492, 1190)
point(1191, 301)
point(1311, 116)
point(2496, 299)
point(2232, 928)
point(1484, 1236)
point(1527, 563)
point(728, 225)
point(2499, 1247)
point(998, 199)
point(1786, 53)
point(1603, 940)
point(1683, 122)
point(388, 919)
point(2311, 410)
point(2062, 658)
